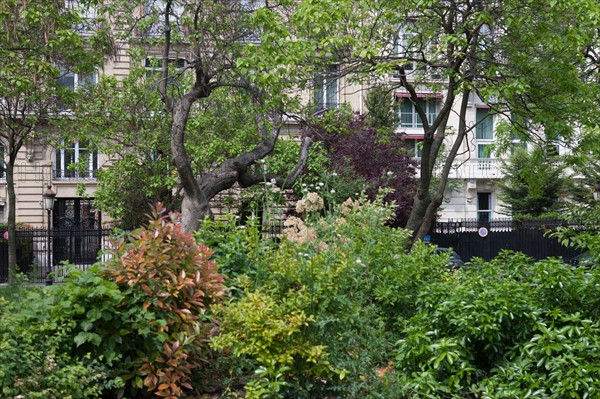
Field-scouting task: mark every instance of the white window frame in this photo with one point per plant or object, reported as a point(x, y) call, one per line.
point(79, 80)
point(61, 168)
point(405, 47)
point(484, 140)
point(327, 85)
point(153, 65)
point(88, 14)
point(431, 111)
point(489, 211)
point(414, 147)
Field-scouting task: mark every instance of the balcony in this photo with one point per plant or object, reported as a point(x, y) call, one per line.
point(476, 168)
point(69, 174)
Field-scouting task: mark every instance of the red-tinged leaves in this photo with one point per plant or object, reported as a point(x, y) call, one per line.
point(172, 277)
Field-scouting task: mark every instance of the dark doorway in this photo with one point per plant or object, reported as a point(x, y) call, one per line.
point(74, 219)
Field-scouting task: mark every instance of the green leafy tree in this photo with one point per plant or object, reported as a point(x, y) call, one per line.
point(534, 184)
point(123, 121)
point(381, 113)
point(497, 50)
point(235, 50)
point(584, 160)
point(39, 42)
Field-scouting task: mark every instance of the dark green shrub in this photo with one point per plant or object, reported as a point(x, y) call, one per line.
point(33, 363)
point(508, 328)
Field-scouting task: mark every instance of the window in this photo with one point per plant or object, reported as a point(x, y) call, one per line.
point(86, 13)
point(516, 145)
point(484, 207)
point(409, 118)
point(552, 149)
point(484, 132)
point(72, 80)
point(407, 47)
point(414, 148)
point(252, 5)
point(75, 161)
point(326, 87)
point(154, 67)
point(155, 9)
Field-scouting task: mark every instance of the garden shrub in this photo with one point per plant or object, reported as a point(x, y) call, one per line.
point(145, 312)
point(33, 363)
point(511, 327)
point(318, 318)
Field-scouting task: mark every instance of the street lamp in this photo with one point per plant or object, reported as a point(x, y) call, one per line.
point(48, 204)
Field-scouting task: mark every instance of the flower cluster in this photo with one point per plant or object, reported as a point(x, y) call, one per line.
point(296, 231)
point(349, 205)
point(311, 203)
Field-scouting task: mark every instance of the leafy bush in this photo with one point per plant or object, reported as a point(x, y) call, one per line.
point(507, 328)
point(33, 362)
point(362, 154)
point(145, 313)
point(319, 312)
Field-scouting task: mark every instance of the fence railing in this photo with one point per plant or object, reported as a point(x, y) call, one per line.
point(505, 224)
point(41, 252)
point(528, 236)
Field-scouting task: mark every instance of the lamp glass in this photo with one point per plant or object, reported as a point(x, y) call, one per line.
point(48, 203)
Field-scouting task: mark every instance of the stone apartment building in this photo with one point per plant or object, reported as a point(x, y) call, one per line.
point(473, 193)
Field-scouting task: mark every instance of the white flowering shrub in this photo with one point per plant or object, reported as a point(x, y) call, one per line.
point(312, 202)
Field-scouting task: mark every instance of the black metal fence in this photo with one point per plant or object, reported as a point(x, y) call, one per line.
point(41, 252)
point(471, 238)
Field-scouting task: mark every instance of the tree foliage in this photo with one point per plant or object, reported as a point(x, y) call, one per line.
point(498, 51)
point(379, 160)
point(534, 183)
point(40, 41)
point(238, 72)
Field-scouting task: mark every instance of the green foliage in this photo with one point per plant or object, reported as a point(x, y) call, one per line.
point(128, 187)
point(496, 329)
point(33, 362)
point(144, 314)
point(332, 296)
point(382, 115)
point(534, 184)
point(135, 136)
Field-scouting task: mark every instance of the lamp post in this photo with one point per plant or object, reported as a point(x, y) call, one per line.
point(48, 204)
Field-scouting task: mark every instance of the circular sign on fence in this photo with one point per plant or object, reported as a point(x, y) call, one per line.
point(483, 232)
point(5, 235)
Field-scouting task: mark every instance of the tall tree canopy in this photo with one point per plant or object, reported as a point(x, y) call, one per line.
point(533, 184)
point(40, 41)
point(531, 58)
point(237, 51)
